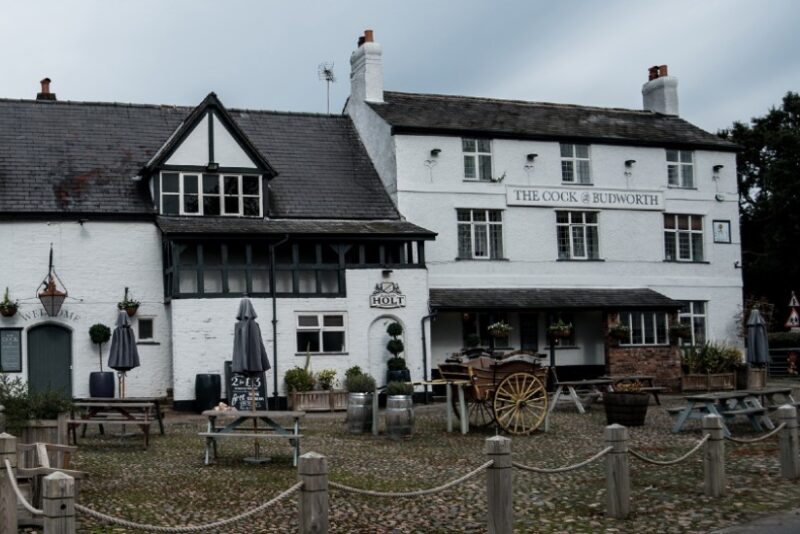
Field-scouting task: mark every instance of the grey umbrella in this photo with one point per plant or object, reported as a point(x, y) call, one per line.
point(123, 355)
point(757, 344)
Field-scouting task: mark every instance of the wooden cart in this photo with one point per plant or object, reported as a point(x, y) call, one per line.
point(508, 392)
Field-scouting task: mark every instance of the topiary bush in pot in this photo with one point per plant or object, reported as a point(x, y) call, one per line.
point(397, 365)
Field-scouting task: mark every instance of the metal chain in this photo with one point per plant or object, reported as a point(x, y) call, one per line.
point(669, 462)
point(198, 528)
point(550, 470)
point(760, 438)
point(417, 493)
point(12, 477)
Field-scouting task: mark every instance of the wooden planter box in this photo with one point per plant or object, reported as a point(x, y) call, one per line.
point(318, 401)
point(708, 382)
point(44, 431)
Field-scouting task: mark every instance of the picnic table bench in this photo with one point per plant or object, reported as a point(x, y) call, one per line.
point(113, 413)
point(727, 405)
point(568, 388)
point(234, 429)
point(156, 402)
point(647, 381)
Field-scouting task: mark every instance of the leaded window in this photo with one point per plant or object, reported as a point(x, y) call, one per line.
point(184, 193)
point(480, 234)
point(576, 232)
point(477, 159)
point(683, 237)
point(680, 168)
point(575, 164)
point(693, 313)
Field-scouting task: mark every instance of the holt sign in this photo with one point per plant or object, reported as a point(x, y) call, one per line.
point(387, 295)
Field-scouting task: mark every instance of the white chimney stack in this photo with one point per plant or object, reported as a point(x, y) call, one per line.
point(366, 70)
point(660, 93)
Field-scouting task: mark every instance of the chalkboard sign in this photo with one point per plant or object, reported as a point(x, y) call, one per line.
point(11, 350)
point(239, 389)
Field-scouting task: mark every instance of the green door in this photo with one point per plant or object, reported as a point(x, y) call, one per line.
point(50, 358)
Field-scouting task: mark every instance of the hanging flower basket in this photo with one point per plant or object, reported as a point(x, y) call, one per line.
point(128, 304)
point(8, 307)
point(619, 333)
point(560, 329)
point(499, 329)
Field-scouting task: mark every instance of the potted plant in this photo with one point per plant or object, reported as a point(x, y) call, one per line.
point(500, 329)
point(8, 307)
point(709, 367)
point(101, 384)
point(33, 417)
point(399, 410)
point(298, 380)
point(128, 304)
point(360, 388)
point(619, 333)
point(627, 404)
point(679, 330)
point(560, 329)
point(398, 372)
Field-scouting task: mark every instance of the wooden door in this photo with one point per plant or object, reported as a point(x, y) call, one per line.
point(50, 359)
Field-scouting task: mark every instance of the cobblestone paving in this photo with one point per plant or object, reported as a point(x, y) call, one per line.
point(169, 485)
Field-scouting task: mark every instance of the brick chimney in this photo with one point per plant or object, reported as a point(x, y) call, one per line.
point(45, 94)
point(366, 69)
point(660, 93)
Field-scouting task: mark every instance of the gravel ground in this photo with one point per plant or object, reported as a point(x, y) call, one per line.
point(169, 485)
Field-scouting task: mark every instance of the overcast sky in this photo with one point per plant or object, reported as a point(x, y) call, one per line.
point(733, 58)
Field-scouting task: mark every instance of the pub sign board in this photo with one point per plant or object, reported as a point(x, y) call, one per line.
point(387, 295)
point(11, 350)
point(240, 389)
point(585, 197)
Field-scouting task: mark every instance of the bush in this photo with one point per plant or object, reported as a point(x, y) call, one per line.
point(395, 346)
point(394, 329)
point(784, 340)
point(21, 405)
point(361, 383)
point(399, 388)
point(712, 358)
point(396, 364)
point(99, 333)
point(326, 378)
point(353, 371)
point(298, 379)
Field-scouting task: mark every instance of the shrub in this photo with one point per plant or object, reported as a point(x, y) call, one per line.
point(353, 371)
point(712, 358)
point(396, 364)
point(394, 329)
point(399, 388)
point(361, 383)
point(21, 405)
point(99, 333)
point(326, 378)
point(395, 346)
point(784, 340)
point(298, 379)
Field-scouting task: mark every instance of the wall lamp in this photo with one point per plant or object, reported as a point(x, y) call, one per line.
point(435, 152)
point(717, 168)
point(531, 157)
point(629, 163)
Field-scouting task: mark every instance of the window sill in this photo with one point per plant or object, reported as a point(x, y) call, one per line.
point(148, 342)
point(649, 345)
point(482, 259)
point(563, 347)
point(477, 181)
point(589, 184)
point(688, 261)
point(681, 187)
point(322, 353)
point(581, 260)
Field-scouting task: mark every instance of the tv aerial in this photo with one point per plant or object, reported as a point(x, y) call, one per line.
point(325, 72)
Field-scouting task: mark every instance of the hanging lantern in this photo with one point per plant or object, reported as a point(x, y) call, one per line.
point(50, 297)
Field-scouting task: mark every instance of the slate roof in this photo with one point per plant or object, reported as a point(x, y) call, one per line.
point(550, 298)
point(230, 226)
point(79, 158)
point(456, 115)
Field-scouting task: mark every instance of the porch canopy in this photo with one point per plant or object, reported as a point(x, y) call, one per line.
point(550, 298)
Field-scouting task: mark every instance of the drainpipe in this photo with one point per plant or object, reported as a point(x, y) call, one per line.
point(274, 317)
point(425, 351)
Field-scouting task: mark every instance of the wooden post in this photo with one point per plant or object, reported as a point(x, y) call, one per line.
point(58, 504)
point(8, 500)
point(313, 473)
point(375, 419)
point(462, 406)
point(618, 483)
point(789, 445)
point(714, 456)
point(449, 389)
point(498, 486)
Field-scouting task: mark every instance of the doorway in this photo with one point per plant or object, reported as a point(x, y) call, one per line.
point(50, 359)
point(378, 355)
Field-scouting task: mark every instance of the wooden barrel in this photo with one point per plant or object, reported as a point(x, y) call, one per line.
point(626, 409)
point(399, 416)
point(359, 413)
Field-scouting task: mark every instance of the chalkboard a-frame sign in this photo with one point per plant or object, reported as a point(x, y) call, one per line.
point(11, 350)
point(240, 392)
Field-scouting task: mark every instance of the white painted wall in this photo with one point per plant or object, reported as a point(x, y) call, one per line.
point(203, 329)
point(194, 148)
point(95, 260)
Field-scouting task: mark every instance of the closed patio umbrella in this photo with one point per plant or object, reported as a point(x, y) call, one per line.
point(757, 344)
point(249, 354)
point(123, 355)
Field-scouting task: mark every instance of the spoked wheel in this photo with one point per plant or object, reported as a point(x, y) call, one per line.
point(479, 412)
point(520, 403)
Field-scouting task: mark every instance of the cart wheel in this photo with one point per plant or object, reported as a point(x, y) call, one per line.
point(479, 412)
point(520, 403)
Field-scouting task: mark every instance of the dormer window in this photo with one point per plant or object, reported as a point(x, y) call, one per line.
point(220, 194)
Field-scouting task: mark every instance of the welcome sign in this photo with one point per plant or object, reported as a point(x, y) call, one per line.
point(584, 197)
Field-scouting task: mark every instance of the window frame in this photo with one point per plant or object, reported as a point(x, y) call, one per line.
point(201, 195)
point(320, 328)
point(680, 167)
point(139, 320)
point(491, 236)
point(475, 156)
point(574, 159)
point(688, 317)
point(689, 232)
point(653, 324)
point(584, 227)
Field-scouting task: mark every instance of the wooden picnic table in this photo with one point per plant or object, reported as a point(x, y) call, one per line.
point(235, 429)
point(727, 404)
point(569, 388)
point(773, 398)
point(647, 381)
point(155, 401)
point(110, 412)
